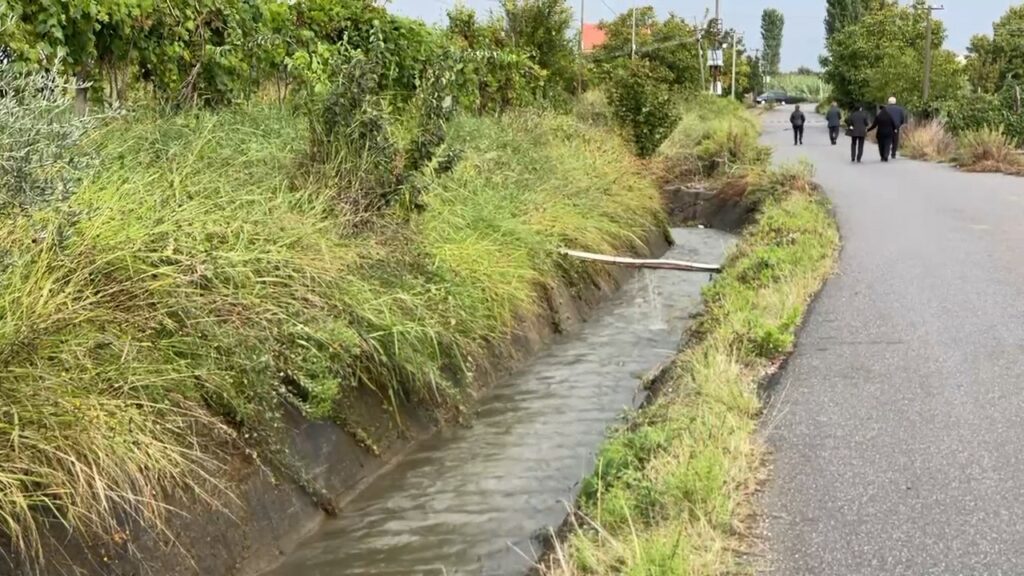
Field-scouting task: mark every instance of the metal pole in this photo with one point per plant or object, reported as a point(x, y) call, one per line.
point(700, 60)
point(717, 82)
point(734, 66)
point(632, 53)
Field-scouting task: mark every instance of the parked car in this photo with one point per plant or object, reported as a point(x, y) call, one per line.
point(773, 96)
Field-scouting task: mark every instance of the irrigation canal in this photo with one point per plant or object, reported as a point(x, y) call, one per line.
point(472, 500)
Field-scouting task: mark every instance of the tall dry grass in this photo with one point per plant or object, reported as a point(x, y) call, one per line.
point(929, 141)
point(988, 150)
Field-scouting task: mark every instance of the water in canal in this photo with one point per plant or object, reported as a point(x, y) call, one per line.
point(468, 500)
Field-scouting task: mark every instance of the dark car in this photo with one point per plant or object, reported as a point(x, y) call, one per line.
point(774, 96)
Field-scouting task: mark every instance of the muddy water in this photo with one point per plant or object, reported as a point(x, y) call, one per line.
point(470, 500)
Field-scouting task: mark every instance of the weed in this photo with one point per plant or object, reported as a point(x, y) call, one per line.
point(987, 150)
point(928, 140)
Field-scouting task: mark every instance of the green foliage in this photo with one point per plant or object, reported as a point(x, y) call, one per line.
point(965, 112)
point(841, 13)
point(491, 75)
point(670, 44)
point(882, 55)
point(713, 137)
point(772, 23)
point(208, 261)
point(642, 103)
point(40, 165)
point(540, 29)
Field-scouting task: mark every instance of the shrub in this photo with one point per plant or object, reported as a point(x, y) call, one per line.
point(642, 104)
point(967, 112)
point(986, 149)
point(928, 141)
point(593, 108)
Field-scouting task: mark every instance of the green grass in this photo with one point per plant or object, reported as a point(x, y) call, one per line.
point(208, 275)
point(808, 85)
point(714, 138)
point(671, 493)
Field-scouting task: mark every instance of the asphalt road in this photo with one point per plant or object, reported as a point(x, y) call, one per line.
point(897, 428)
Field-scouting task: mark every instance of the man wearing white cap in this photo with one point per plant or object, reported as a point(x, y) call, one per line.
point(899, 117)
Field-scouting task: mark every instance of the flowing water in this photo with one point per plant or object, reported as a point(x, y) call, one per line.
point(470, 500)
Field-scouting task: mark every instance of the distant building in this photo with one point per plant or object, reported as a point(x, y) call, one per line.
point(593, 37)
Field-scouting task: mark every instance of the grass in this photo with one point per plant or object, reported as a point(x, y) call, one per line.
point(928, 141)
point(672, 489)
point(714, 138)
point(809, 85)
point(981, 150)
point(207, 275)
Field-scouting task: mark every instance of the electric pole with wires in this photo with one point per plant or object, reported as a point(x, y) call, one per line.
point(928, 50)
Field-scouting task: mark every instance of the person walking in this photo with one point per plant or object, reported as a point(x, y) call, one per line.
point(899, 116)
point(886, 127)
point(834, 118)
point(797, 120)
point(857, 126)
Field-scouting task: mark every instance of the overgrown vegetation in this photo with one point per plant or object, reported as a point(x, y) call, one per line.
point(672, 488)
point(984, 149)
point(294, 202)
point(880, 54)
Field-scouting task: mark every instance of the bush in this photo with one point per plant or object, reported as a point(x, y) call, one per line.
point(986, 149)
point(713, 135)
point(928, 140)
point(642, 104)
point(967, 112)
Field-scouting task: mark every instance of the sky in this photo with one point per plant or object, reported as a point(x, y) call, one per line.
point(803, 37)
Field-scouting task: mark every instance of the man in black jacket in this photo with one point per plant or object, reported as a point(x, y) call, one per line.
point(886, 127)
point(835, 119)
point(899, 116)
point(857, 124)
point(797, 120)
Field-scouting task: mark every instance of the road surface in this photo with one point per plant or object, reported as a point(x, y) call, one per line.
point(897, 428)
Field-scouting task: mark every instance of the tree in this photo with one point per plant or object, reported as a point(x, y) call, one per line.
point(772, 22)
point(984, 67)
point(670, 44)
point(840, 14)
point(540, 28)
point(994, 60)
point(882, 55)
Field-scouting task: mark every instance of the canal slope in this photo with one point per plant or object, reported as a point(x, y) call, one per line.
point(896, 426)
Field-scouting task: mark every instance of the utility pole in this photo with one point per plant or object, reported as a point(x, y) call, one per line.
point(579, 82)
point(760, 72)
point(928, 50)
point(734, 42)
point(632, 51)
point(716, 82)
point(700, 56)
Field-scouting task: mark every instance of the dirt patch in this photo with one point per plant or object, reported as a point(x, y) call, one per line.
point(725, 208)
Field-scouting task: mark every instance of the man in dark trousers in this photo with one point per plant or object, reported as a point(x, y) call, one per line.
point(886, 127)
point(899, 116)
point(857, 124)
point(797, 119)
point(835, 119)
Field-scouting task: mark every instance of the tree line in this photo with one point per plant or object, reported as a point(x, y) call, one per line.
point(875, 49)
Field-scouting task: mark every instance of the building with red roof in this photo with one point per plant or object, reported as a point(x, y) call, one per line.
point(593, 36)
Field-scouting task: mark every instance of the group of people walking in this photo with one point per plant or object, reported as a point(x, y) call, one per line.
point(888, 121)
